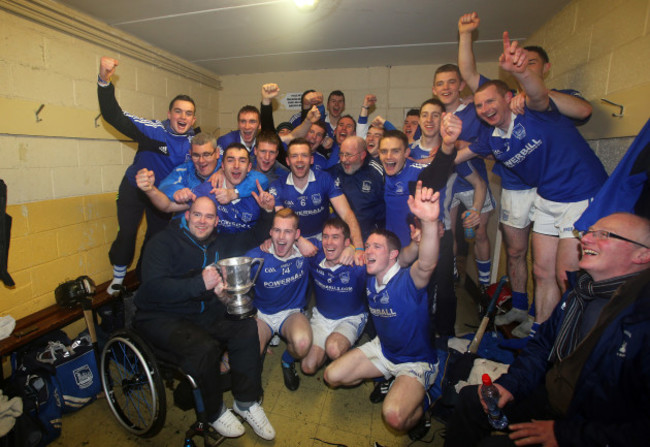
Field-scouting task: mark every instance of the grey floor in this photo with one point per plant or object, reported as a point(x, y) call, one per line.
point(341, 417)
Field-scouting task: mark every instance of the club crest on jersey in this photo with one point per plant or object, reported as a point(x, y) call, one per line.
point(299, 263)
point(366, 186)
point(399, 188)
point(384, 298)
point(316, 199)
point(519, 131)
point(345, 277)
point(246, 217)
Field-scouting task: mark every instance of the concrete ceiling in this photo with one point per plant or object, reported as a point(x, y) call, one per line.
point(257, 36)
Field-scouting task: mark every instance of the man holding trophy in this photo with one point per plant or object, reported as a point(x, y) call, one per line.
point(180, 311)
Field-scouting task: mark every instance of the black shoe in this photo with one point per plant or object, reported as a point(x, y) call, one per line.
point(291, 378)
point(421, 429)
point(380, 391)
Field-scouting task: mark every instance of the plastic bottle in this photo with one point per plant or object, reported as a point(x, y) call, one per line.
point(490, 395)
point(469, 232)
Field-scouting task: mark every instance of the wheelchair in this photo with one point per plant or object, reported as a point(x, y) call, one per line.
point(134, 376)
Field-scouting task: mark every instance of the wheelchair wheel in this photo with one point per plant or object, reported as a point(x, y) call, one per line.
point(133, 385)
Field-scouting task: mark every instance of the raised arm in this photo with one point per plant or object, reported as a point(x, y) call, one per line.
point(514, 59)
point(301, 131)
point(269, 91)
point(466, 60)
point(145, 180)
point(424, 205)
point(571, 106)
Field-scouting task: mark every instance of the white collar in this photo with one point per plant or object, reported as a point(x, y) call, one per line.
point(327, 267)
point(503, 134)
point(311, 178)
point(387, 277)
point(294, 253)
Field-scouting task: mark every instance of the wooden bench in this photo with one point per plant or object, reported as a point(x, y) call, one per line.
point(54, 317)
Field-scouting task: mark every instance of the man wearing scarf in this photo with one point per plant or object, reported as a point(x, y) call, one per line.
point(584, 379)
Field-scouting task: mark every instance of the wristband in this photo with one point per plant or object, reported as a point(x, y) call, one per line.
point(359, 249)
point(474, 209)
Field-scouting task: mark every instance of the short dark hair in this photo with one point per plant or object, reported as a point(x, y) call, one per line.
point(305, 93)
point(396, 134)
point(335, 93)
point(539, 50)
point(268, 136)
point(413, 112)
point(339, 224)
point(447, 68)
point(391, 238)
point(248, 109)
point(322, 124)
point(350, 117)
point(435, 102)
point(236, 145)
point(181, 98)
point(297, 141)
point(501, 86)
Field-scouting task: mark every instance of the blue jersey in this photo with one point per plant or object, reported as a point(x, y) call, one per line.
point(311, 204)
point(365, 192)
point(277, 171)
point(320, 162)
point(472, 126)
point(400, 314)
point(396, 194)
point(465, 169)
point(282, 284)
point(232, 137)
point(545, 150)
point(417, 152)
point(239, 215)
point(340, 291)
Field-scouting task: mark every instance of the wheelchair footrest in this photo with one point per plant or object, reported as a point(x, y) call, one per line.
point(210, 436)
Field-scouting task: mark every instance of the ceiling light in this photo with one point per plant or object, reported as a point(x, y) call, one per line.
point(306, 5)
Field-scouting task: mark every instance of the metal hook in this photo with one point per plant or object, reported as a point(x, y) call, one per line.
point(97, 118)
point(617, 115)
point(38, 118)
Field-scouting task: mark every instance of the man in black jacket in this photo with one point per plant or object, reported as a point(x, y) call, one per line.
point(180, 312)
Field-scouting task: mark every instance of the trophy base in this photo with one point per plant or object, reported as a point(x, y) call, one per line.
point(240, 314)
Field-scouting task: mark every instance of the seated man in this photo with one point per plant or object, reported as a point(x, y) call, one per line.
point(397, 298)
point(583, 378)
point(340, 313)
point(180, 313)
point(281, 294)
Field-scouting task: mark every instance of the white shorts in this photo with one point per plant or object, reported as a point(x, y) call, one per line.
point(467, 199)
point(423, 372)
point(517, 207)
point(557, 218)
point(276, 320)
point(350, 327)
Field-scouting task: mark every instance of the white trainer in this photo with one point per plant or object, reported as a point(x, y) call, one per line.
point(275, 341)
point(257, 419)
point(228, 425)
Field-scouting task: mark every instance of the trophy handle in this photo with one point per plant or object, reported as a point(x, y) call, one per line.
point(259, 261)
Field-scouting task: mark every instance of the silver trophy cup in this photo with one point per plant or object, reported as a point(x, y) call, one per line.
point(236, 274)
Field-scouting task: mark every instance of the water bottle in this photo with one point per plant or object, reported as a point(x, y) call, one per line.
point(490, 395)
point(469, 232)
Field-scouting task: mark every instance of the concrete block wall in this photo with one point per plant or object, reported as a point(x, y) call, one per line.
point(62, 173)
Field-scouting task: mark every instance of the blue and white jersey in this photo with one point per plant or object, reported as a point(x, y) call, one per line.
point(320, 162)
point(334, 156)
point(417, 152)
point(396, 194)
point(244, 188)
point(239, 215)
point(545, 150)
point(340, 291)
point(400, 313)
point(183, 176)
point(465, 169)
point(365, 192)
point(472, 126)
point(311, 204)
point(278, 171)
point(282, 283)
point(233, 137)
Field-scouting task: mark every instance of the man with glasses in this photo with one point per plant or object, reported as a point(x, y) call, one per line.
point(583, 378)
point(205, 161)
point(361, 178)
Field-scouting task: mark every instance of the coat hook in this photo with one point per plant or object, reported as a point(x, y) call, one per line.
point(38, 118)
point(97, 118)
point(617, 115)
